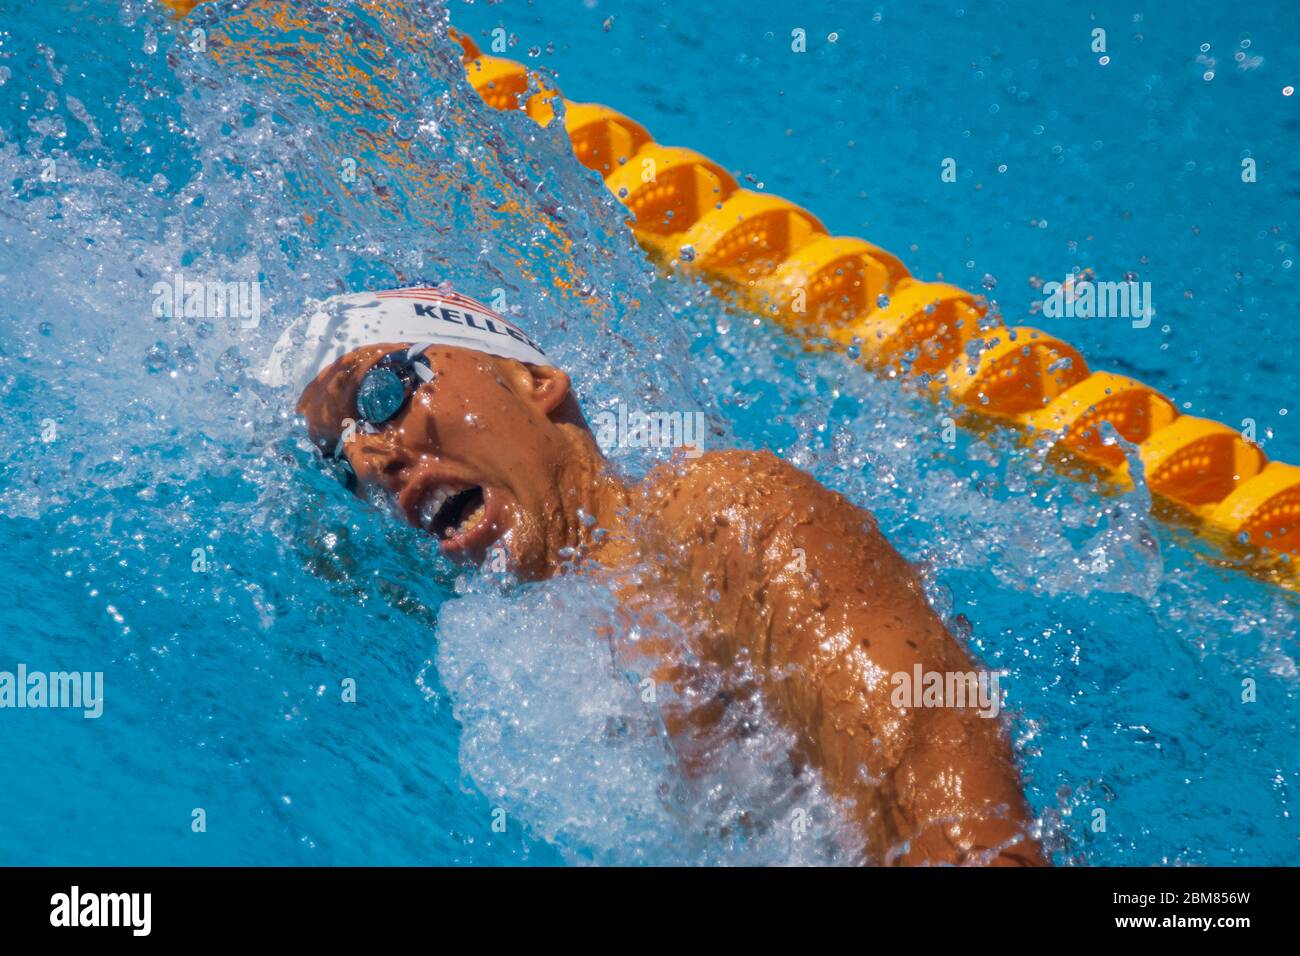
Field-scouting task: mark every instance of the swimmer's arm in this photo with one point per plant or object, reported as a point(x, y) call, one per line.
point(954, 797)
point(945, 788)
point(807, 589)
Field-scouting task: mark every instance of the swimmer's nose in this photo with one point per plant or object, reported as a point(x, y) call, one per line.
point(376, 457)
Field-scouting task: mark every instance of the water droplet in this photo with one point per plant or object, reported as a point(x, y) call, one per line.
point(230, 365)
point(157, 358)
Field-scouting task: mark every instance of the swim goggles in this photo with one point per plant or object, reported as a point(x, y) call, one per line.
point(385, 390)
point(390, 383)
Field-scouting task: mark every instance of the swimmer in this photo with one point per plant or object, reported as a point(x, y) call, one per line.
point(455, 414)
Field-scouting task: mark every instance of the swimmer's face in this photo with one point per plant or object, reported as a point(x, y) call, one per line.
point(472, 458)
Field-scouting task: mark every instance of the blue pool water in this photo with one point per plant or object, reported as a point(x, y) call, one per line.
point(476, 704)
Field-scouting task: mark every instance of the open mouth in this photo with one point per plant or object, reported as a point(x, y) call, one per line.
point(448, 512)
point(461, 518)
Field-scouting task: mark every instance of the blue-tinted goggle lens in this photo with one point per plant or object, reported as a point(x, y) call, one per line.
point(381, 396)
point(390, 383)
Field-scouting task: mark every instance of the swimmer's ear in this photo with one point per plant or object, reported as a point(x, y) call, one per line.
point(547, 387)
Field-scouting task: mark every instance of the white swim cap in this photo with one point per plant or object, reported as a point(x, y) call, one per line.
point(420, 316)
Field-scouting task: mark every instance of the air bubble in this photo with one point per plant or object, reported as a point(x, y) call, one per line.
point(157, 358)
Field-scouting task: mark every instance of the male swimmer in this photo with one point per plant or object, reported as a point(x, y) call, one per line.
point(455, 413)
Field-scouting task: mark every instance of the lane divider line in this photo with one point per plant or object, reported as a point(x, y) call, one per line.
point(781, 262)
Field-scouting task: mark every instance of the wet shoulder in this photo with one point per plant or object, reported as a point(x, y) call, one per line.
point(718, 473)
point(744, 489)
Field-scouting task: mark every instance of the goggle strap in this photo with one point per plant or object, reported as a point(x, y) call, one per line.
point(417, 350)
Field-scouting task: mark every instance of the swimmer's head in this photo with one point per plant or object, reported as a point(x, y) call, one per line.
point(452, 411)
